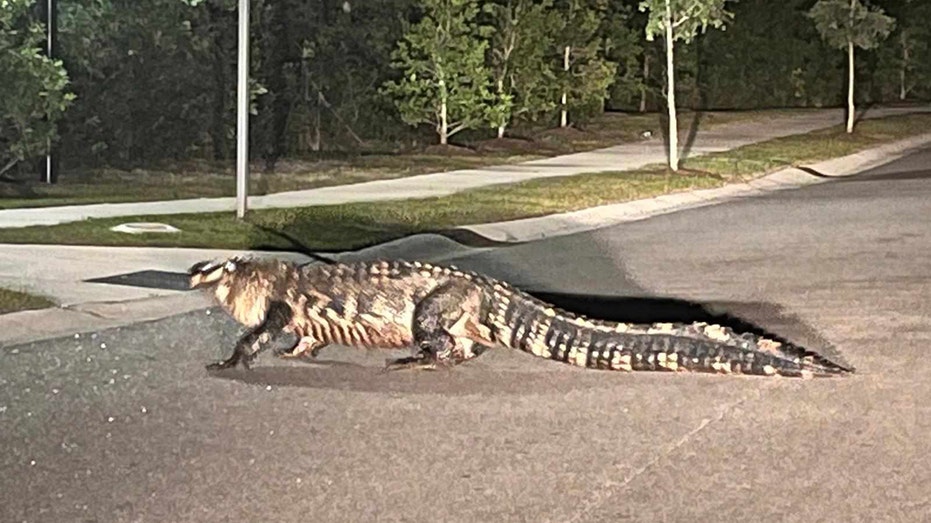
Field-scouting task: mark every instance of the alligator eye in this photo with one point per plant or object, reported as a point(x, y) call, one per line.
point(230, 266)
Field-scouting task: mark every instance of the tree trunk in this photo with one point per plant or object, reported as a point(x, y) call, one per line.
point(500, 94)
point(316, 142)
point(643, 86)
point(671, 93)
point(903, 87)
point(443, 128)
point(850, 106)
point(444, 123)
point(222, 79)
point(275, 107)
point(564, 113)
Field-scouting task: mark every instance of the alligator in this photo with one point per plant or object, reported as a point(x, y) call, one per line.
point(447, 316)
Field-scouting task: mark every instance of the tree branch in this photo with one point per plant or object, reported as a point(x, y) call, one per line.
point(681, 21)
point(6, 168)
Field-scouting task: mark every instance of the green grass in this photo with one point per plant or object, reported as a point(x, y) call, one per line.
point(196, 179)
point(210, 180)
point(14, 301)
point(356, 225)
point(756, 159)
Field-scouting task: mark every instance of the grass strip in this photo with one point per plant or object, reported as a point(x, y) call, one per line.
point(208, 179)
point(15, 301)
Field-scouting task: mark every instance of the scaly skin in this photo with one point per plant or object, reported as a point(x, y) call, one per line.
point(448, 316)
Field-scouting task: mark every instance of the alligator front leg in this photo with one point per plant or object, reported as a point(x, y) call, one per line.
point(257, 339)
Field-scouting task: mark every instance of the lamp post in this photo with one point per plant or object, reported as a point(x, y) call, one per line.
point(242, 113)
point(49, 13)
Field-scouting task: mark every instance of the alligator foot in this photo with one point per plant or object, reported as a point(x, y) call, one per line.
point(410, 363)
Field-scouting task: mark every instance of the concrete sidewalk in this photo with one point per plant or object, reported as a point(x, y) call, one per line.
point(622, 157)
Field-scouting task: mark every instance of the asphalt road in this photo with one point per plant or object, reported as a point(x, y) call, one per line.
point(125, 425)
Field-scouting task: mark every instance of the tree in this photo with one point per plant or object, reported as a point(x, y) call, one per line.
point(908, 61)
point(772, 58)
point(679, 20)
point(148, 75)
point(585, 75)
point(623, 44)
point(33, 94)
point(849, 24)
point(517, 56)
point(442, 58)
point(323, 63)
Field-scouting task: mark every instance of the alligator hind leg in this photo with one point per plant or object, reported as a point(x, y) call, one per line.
point(305, 347)
point(445, 325)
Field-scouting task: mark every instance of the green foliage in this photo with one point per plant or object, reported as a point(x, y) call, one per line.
point(33, 93)
point(689, 17)
point(771, 57)
point(445, 81)
point(145, 74)
point(623, 45)
point(323, 63)
point(842, 22)
point(156, 80)
point(586, 81)
point(909, 58)
point(517, 56)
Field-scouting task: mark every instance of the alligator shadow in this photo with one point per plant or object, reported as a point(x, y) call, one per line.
point(658, 310)
point(484, 374)
point(760, 318)
point(469, 378)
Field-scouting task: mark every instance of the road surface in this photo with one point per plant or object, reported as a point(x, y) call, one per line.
point(125, 425)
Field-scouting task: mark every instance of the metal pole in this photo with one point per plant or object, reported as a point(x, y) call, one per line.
point(51, 40)
point(242, 113)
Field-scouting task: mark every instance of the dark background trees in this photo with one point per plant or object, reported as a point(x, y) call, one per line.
point(155, 80)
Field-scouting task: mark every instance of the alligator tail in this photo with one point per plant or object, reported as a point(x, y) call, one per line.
point(530, 325)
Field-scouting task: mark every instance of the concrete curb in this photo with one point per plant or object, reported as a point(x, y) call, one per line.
point(549, 226)
point(29, 326)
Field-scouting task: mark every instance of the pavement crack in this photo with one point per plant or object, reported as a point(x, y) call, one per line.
point(85, 311)
point(610, 488)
